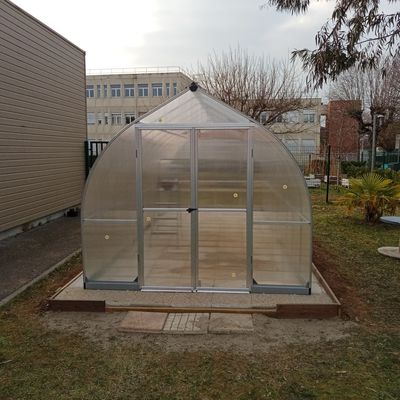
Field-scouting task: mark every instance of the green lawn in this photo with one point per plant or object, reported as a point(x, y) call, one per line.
point(39, 364)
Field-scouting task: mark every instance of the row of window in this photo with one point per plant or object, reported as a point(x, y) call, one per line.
point(295, 145)
point(307, 116)
point(110, 119)
point(129, 89)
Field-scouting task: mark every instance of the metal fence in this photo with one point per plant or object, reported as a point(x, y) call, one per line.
point(93, 148)
point(312, 161)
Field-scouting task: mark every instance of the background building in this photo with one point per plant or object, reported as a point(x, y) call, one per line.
point(300, 129)
point(42, 121)
point(117, 97)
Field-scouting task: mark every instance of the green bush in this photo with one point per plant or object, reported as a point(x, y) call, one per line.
point(389, 174)
point(354, 169)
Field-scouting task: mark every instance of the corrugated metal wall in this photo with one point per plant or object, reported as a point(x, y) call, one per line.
point(42, 119)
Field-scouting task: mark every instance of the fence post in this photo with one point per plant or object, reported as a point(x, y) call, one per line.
point(328, 173)
point(87, 166)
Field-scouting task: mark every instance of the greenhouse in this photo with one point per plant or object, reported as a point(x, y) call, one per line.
point(195, 196)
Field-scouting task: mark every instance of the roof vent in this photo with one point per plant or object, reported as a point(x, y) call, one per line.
point(193, 86)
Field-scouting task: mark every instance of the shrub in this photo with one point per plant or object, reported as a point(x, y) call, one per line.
point(354, 169)
point(389, 174)
point(374, 194)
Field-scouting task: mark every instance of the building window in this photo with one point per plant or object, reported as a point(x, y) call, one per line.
point(291, 117)
point(98, 91)
point(292, 145)
point(143, 90)
point(115, 90)
point(309, 116)
point(105, 119)
point(105, 91)
point(91, 119)
point(175, 86)
point(89, 91)
point(157, 89)
point(99, 119)
point(263, 117)
point(129, 117)
point(116, 119)
point(167, 87)
point(279, 118)
point(308, 145)
point(129, 90)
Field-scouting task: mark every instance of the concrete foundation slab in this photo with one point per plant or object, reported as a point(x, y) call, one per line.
point(145, 322)
point(230, 323)
point(321, 303)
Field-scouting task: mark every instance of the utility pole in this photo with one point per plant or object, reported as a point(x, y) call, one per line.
point(373, 149)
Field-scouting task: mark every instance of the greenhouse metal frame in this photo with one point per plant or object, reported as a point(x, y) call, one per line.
point(195, 196)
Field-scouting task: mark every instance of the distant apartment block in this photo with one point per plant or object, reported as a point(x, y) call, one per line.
point(117, 97)
point(42, 121)
point(300, 130)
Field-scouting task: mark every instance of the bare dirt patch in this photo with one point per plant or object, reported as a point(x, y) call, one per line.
point(354, 307)
point(268, 333)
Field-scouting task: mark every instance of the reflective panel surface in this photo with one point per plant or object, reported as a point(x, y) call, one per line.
point(222, 168)
point(110, 251)
point(194, 108)
point(222, 249)
point(167, 251)
point(281, 254)
point(278, 185)
point(166, 169)
point(111, 186)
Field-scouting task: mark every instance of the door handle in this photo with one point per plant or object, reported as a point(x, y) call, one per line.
point(189, 210)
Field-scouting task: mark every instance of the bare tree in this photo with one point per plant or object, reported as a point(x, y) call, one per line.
point(379, 95)
point(253, 84)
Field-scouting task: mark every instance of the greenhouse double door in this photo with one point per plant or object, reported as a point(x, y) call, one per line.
point(193, 213)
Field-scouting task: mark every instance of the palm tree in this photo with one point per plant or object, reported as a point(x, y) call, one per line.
point(374, 194)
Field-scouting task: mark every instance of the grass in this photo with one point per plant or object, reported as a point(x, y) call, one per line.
point(38, 364)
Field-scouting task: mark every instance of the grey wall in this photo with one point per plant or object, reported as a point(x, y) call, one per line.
point(42, 119)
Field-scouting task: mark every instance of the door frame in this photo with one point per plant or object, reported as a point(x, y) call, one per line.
point(194, 220)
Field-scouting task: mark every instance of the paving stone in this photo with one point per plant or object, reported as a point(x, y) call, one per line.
point(237, 300)
point(186, 323)
point(148, 322)
point(230, 323)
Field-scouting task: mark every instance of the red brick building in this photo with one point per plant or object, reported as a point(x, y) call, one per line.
point(341, 127)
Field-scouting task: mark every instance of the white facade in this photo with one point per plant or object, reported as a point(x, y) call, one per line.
point(300, 130)
point(117, 98)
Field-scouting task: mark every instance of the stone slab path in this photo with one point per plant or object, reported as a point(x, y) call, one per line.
point(186, 323)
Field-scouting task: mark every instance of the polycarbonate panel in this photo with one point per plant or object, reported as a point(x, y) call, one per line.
point(279, 188)
point(167, 251)
point(194, 108)
point(111, 186)
point(110, 251)
point(281, 254)
point(222, 168)
point(166, 169)
point(222, 249)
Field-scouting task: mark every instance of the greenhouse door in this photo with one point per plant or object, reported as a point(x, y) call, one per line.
point(193, 226)
point(222, 212)
point(166, 234)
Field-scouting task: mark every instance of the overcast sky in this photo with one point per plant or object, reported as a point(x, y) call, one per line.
point(148, 33)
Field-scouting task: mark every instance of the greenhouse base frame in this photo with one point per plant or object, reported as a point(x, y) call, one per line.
point(284, 311)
